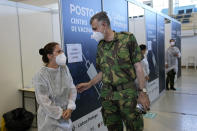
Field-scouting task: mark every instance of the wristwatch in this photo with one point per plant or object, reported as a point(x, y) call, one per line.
point(143, 90)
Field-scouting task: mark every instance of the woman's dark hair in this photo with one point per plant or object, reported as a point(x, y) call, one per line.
point(143, 47)
point(48, 49)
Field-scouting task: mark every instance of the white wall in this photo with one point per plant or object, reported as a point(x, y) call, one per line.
point(188, 48)
point(167, 35)
point(188, 44)
point(36, 31)
point(56, 27)
point(38, 2)
point(22, 35)
point(10, 66)
point(137, 27)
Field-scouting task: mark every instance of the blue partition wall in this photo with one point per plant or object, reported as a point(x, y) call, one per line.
point(151, 39)
point(117, 11)
point(176, 34)
point(77, 30)
point(161, 51)
point(178, 41)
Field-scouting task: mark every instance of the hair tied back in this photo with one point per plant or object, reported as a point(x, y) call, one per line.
point(41, 51)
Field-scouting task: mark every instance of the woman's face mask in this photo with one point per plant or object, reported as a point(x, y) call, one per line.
point(98, 36)
point(61, 59)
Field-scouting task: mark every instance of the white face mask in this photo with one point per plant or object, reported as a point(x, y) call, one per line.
point(98, 36)
point(172, 43)
point(61, 59)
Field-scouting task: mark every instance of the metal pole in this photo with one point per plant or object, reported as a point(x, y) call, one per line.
point(170, 7)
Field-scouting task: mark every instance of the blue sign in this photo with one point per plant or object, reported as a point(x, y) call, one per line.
point(76, 15)
point(151, 37)
point(174, 30)
point(161, 51)
point(117, 11)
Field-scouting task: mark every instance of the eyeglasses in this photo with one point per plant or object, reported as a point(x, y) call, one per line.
point(59, 51)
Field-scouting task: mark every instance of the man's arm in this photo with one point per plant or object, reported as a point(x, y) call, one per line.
point(166, 58)
point(84, 86)
point(96, 79)
point(142, 96)
point(179, 53)
point(140, 75)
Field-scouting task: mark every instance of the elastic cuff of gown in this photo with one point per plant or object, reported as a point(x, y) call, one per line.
point(60, 114)
point(71, 105)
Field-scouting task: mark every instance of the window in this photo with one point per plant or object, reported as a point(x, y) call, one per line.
point(188, 10)
point(181, 12)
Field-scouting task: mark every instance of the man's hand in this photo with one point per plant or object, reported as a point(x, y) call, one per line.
point(176, 55)
point(144, 100)
point(146, 78)
point(83, 86)
point(67, 114)
point(166, 65)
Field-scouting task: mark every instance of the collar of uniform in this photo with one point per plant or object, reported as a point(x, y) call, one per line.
point(108, 44)
point(115, 38)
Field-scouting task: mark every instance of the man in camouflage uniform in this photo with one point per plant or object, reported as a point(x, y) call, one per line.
point(118, 60)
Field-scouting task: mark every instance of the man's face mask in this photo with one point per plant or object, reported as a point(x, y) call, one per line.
point(61, 59)
point(172, 43)
point(98, 36)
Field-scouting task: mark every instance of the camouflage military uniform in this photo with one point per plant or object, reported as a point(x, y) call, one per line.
point(116, 60)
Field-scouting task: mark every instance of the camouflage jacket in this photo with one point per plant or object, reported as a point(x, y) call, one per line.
point(116, 58)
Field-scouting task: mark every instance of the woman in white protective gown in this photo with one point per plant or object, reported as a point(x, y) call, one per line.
point(55, 91)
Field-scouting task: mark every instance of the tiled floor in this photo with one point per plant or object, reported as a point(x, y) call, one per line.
point(176, 110)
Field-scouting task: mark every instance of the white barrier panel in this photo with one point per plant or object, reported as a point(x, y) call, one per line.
point(153, 89)
point(90, 122)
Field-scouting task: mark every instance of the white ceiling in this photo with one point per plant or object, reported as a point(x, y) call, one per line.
point(37, 2)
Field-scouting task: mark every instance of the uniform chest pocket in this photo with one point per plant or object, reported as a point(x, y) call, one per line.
point(123, 55)
point(108, 57)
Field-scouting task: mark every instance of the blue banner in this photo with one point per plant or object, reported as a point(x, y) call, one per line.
point(117, 11)
point(151, 37)
point(76, 30)
point(178, 43)
point(161, 51)
point(173, 30)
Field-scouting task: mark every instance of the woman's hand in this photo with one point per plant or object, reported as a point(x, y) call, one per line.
point(67, 114)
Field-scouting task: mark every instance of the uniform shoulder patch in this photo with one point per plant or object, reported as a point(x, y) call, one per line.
point(101, 43)
point(124, 32)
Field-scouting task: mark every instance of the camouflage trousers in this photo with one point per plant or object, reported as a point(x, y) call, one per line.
point(170, 78)
point(120, 106)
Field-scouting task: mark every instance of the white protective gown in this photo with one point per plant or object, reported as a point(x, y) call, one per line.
point(55, 92)
point(145, 66)
point(146, 71)
point(171, 58)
